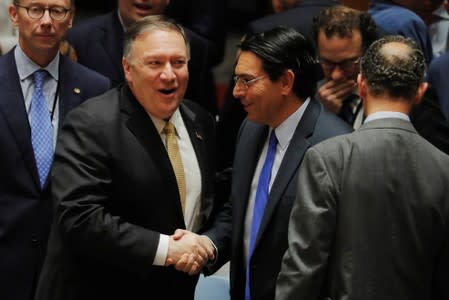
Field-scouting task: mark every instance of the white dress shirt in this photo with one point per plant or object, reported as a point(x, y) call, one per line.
point(284, 133)
point(192, 177)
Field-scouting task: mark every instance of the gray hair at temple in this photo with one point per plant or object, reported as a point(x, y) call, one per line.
point(148, 24)
point(281, 49)
point(395, 66)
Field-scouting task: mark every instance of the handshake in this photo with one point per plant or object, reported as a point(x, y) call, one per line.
point(189, 252)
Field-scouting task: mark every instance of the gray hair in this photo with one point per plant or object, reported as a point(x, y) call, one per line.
point(395, 66)
point(148, 24)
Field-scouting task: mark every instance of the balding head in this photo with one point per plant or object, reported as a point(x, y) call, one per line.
point(393, 66)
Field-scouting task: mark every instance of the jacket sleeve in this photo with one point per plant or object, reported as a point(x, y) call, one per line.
point(310, 233)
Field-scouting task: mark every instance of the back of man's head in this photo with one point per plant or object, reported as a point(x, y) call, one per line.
point(283, 48)
point(393, 66)
point(342, 21)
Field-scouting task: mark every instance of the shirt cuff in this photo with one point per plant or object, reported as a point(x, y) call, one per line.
point(162, 251)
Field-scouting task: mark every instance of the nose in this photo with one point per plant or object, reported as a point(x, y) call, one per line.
point(238, 92)
point(167, 72)
point(337, 73)
point(46, 19)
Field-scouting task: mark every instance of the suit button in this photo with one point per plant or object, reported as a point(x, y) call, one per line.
point(35, 241)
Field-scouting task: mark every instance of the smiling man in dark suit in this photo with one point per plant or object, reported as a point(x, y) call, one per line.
point(131, 167)
point(30, 117)
point(275, 81)
point(98, 43)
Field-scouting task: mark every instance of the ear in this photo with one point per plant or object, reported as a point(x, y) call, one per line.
point(12, 11)
point(71, 16)
point(363, 89)
point(287, 80)
point(420, 92)
point(127, 69)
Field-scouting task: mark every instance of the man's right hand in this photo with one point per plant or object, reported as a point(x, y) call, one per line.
point(332, 94)
point(189, 251)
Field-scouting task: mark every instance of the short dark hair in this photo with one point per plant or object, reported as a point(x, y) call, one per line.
point(150, 23)
point(282, 49)
point(396, 73)
point(342, 21)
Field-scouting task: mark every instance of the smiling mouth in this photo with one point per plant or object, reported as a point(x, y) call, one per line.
point(167, 91)
point(143, 6)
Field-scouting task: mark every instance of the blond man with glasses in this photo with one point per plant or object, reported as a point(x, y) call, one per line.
point(38, 87)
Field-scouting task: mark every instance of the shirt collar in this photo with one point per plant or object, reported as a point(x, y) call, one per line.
point(175, 119)
point(386, 114)
point(26, 67)
point(284, 132)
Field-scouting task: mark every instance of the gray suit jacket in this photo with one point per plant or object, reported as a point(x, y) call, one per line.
point(372, 219)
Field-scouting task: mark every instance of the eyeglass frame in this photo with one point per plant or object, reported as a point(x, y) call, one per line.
point(244, 83)
point(343, 65)
point(44, 9)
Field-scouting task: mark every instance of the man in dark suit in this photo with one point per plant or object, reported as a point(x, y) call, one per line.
point(343, 34)
point(25, 202)
point(120, 194)
point(274, 82)
point(98, 43)
point(297, 14)
point(372, 218)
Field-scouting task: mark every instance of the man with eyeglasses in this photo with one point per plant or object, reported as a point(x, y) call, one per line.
point(275, 83)
point(38, 87)
point(342, 34)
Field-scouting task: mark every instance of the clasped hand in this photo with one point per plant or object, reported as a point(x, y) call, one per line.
point(189, 252)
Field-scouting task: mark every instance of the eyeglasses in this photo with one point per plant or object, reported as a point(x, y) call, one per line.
point(245, 83)
point(57, 13)
point(344, 65)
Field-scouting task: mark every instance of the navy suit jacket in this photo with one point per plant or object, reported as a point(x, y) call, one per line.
point(300, 18)
point(316, 125)
point(437, 78)
point(25, 209)
point(98, 43)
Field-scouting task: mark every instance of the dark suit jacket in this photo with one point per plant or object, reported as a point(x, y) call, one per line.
point(300, 18)
point(98, 43)
point(115, 191)
point(25, 209)
point(438, 82)
point(232, 113)
point(372, 219)
point(316, 125)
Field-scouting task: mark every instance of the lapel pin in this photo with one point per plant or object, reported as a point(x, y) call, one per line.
point(76, 90)
point(198, 136)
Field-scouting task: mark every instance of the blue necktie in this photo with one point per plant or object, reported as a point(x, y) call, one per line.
point(41, 128)
point(260, 203)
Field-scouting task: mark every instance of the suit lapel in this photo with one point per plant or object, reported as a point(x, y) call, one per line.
point(141, 126)
point(199, 143)
point(13, 109)
point(250, 144)
point(290, 163)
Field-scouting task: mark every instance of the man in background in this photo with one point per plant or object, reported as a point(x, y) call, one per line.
point(38, 88)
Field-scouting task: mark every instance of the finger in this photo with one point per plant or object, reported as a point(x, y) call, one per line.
point(179, 233)
point(195, 269)
point(182, 262)
point(190, 263)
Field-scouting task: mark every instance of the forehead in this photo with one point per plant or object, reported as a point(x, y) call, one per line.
point(248, 64)
point(160, 42)
point(338, 48)
point(65, 3)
